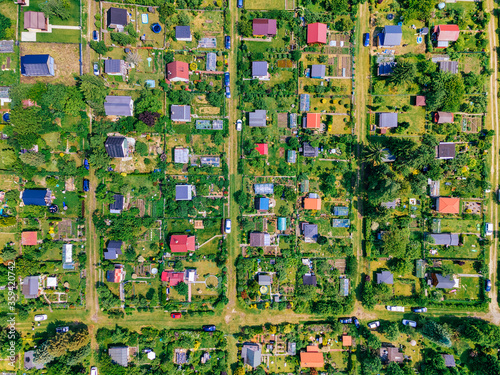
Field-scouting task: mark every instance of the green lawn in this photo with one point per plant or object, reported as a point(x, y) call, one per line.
point(469, 249)
point(459, 226)
point(72, 20)
point(468, 290)
point(59, 36)
point(265, 4)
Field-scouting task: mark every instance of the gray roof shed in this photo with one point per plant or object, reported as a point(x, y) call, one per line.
point(183, 192)
point(30, 287)
point(391, 36)
point(318, 71)
point(257, 119)
point(259, 68)
point(264, 279)
point(385, 277)
point(251, 354)
point(446, 239)
point(181, 113)
point(388, 120)
point(119, 355)
point(119, 106)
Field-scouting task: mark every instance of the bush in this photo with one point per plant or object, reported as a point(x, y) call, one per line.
point(141, 148)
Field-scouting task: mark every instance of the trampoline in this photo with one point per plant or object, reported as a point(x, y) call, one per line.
point(6, 117)
point(156, 28)
point(264, 289)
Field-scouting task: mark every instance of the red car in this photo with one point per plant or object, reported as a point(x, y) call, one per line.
point(176, 315)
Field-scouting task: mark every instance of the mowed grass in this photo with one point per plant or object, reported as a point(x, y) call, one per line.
point(265, 4)
point(59, 36)
point(468, 290)
point(459, 226)
point(72, 20)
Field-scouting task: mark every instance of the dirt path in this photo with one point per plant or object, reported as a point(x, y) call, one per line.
point(494, 311)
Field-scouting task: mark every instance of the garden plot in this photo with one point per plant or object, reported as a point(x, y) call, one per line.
point(341, 66)
point(204, 24)
point(66, 60)
point(470, 123)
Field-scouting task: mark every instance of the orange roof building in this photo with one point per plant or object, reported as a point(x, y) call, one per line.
point(312, 357)
point(312, 203)
point(29, 238)
point(346, 340)
point(445, 205)
point(313, 121)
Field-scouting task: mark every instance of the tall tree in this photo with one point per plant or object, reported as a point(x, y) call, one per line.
point(374, 153)
point(93, 89)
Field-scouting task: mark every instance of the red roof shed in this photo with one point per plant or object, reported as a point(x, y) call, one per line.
point(447, 33)
point(316, 33)
point(262, 148)
point(182, 243)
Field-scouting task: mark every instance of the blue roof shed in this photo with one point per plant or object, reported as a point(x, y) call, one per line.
point(262, 204)
point(35, 197)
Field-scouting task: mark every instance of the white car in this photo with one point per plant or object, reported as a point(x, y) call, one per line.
point(410, 323)
point(39, 318)
point(373, 325)
point(96, 69)
point(227, 226)
point(488, 229)
point(395, 308)
point(239, 125)
point(93, 370)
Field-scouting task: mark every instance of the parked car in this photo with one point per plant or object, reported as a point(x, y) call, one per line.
point(93, 370)
point(86, 164)
point(345, 320)
point(227, 226)
point(209, 328)
point(239, 125)
point(395, 308)
point(374, 324)
point(39, 318)
point(356, 322)
point(228, 92)
point(366, 39)
point(95, 35)
point(488, 230)
point(487, 285)
point(176, 315)
point(227, 42)
point(86, 185)
point(419, 309)
point(410, 323)
point(96, 69)
point(240, 3)
point(62, 329)
point(226, 79)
